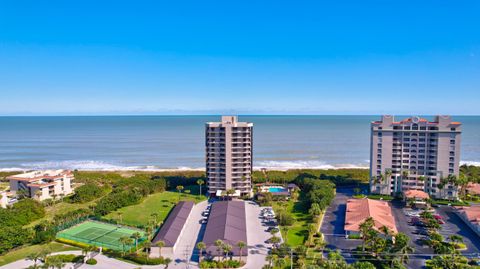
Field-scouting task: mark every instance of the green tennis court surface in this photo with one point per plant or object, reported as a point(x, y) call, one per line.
point(99, 234)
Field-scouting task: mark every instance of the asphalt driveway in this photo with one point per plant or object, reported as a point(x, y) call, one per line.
point(333, 224)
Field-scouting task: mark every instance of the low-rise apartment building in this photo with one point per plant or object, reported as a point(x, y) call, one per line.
point(41, 185)
point(415, 154)
point(471, 216)
point(359, 210)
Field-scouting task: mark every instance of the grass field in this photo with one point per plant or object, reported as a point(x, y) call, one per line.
point(60, 208)
point(23, 252)
point(160, 203)
point(298, 232)
point(98, 234)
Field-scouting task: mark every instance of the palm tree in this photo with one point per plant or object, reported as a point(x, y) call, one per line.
point(160, 244)
point(147, 246)
point(124, 241)
point(44, 253)
point(149, 231)
point(365, 229)
point(274, 240)
point(453, 181)
point(201, 247)
point(179, 188)
point(241, 245)
point(230, 192)
point(129, 242)
point(119, 215)
point(387, 178)
point(154, 216)
point(90, 249)
point(200, 182)
point(219, 244)
point(270, 259)
point(385, 230)
point(35, 256)
point(441, 185)
point(136, 236)
point(226, 249)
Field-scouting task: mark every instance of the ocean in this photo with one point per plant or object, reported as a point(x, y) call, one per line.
point(177, 142)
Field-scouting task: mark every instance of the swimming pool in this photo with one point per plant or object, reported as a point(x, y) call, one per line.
point(277, 189)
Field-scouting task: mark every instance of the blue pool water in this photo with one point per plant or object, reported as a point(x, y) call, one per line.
point(276, 189)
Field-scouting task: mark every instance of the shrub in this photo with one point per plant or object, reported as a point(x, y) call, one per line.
point(72, 243)
point(86, 193)
point(144, 260)
point(221, 264)
point(137, 258)
point(354, 236)
point(285, 218)
point(68, 257)
point(91, 261)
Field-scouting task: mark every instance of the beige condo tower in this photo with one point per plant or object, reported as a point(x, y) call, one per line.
point(229, 156)
point(415, 154)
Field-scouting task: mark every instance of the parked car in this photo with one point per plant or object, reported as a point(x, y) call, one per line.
point(440, 221)
point(437, 217)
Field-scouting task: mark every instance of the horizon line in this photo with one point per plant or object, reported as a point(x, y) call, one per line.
point(223, 114)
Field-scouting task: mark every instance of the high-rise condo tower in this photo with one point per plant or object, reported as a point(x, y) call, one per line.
point(415, 154)
point(229, 156)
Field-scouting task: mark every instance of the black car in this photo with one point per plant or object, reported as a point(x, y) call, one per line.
point(423, 232)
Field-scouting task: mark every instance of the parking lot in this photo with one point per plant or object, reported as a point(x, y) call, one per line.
point(257, 235)
point(333, 229)
point(455, 225)
point(452, 225)
point(333, 224)
point(401, 220)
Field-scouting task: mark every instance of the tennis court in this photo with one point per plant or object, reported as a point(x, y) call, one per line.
point(99, 234)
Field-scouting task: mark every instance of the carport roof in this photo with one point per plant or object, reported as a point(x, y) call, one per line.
point(173, 226)
point(227, 222)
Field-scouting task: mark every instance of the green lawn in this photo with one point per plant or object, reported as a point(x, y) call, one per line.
point(160, 203)
point(298, 232)
point(23, 252)
point(60, 208)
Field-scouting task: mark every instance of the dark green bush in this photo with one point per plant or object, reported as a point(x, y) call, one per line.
point(87, 193)
point(91, 261)
point(221, 264)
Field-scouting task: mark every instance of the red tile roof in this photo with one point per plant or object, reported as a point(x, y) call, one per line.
point(473, 188)
point(416, 194)
point(358, 210)
point(471, 212)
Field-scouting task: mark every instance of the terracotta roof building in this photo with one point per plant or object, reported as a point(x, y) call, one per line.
point(416, 194)
point(473, 188)
point(227, 222)
point(471, 216)
point(41, 185)
point(358, 210)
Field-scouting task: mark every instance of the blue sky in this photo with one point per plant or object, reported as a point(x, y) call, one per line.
point(247, 57)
